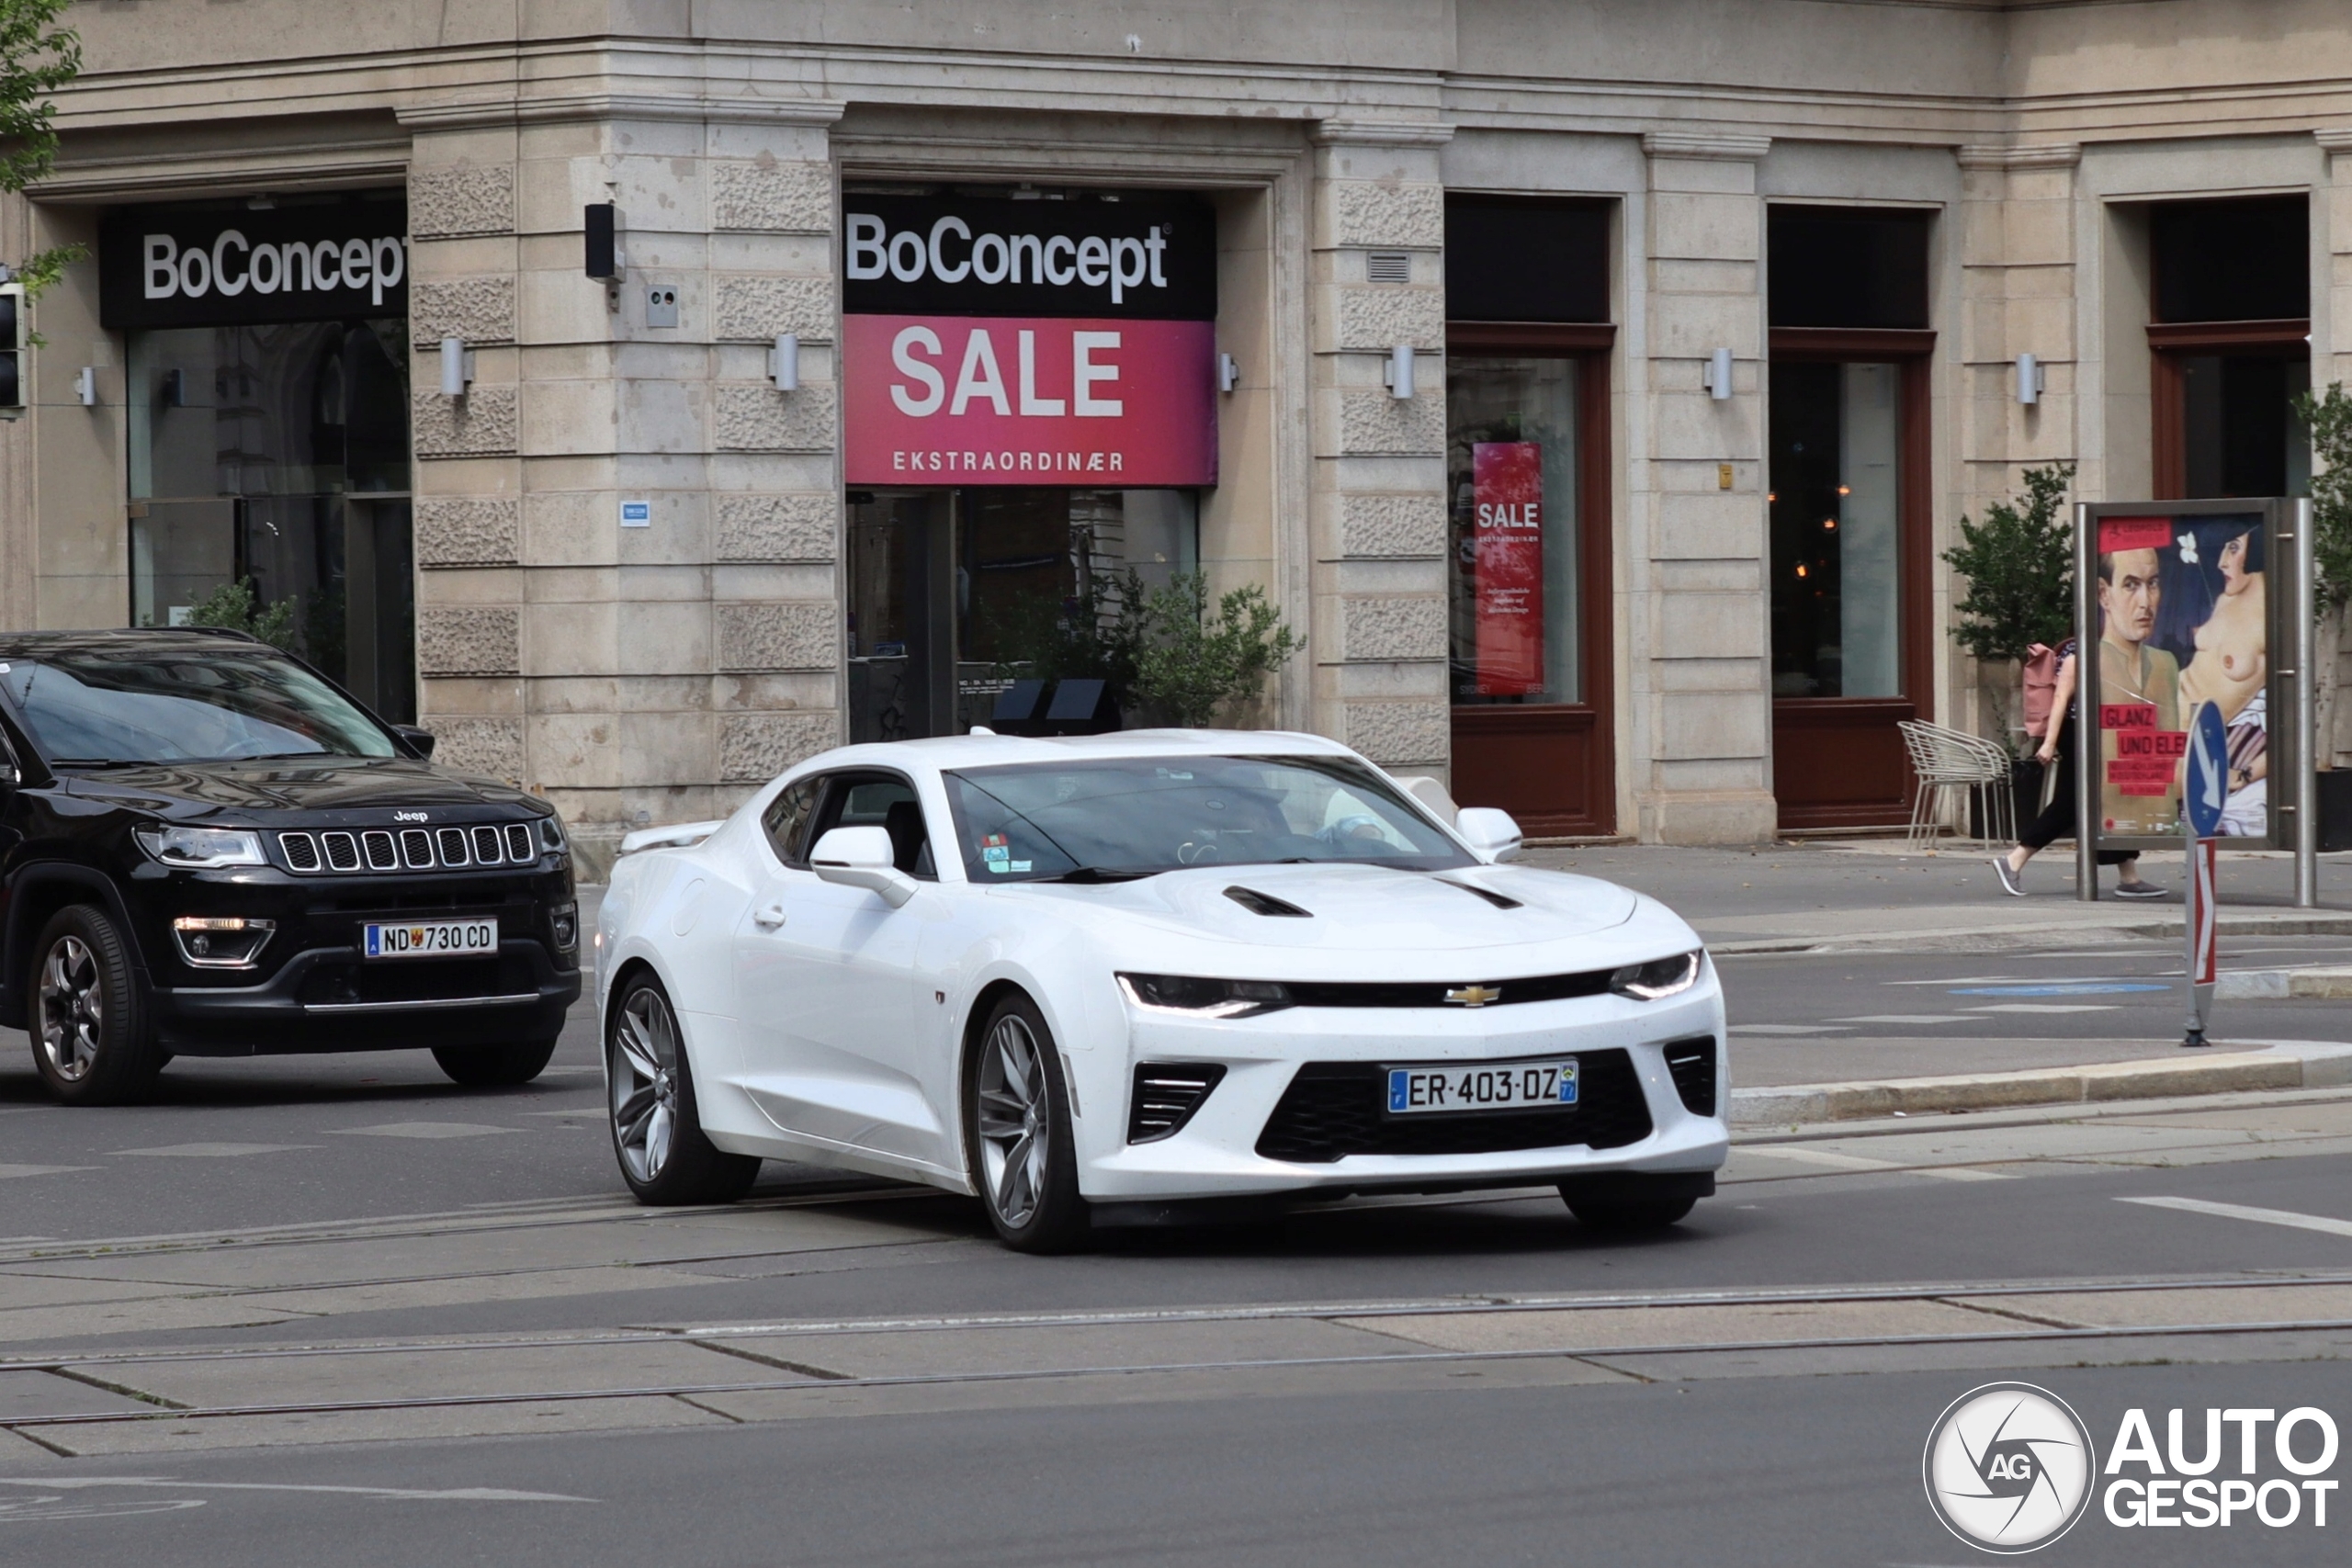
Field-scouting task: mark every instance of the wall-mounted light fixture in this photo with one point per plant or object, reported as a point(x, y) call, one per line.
point(600, 224)
point(1717, 375)
point(1228, 373)
point(457, 366)
point(784, 362)
point(2033, 378)
point(1398, 377)
point(86, 386)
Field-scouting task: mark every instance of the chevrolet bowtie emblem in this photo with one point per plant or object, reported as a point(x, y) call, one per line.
point(1474, 995)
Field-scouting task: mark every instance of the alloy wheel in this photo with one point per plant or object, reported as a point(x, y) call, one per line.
point(1016, 1121)
point(645, 1083)
point(72, 1008)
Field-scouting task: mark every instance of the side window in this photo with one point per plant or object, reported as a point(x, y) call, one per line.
point(879, 800)
point(786, 820)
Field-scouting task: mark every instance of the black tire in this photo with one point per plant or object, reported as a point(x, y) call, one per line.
point(92, 1040)
point(502, 1066)
point(1029, 1193)
point(657, 1130)
point(1631, 1204)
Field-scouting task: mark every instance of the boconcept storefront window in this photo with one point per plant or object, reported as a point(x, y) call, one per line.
point(267, 387)
point(1029, 414)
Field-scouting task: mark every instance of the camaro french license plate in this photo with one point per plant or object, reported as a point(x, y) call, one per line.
point(1482, 1085)
point(430, 939)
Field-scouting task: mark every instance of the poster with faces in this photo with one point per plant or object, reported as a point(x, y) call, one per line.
point(2180, 613)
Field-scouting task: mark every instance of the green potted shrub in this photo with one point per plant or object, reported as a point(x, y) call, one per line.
point(2019, 567)
point(2328, 416)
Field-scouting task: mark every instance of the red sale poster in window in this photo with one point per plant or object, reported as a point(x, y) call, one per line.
point(1506, 534)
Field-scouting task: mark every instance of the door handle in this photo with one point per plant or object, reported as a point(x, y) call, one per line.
point(769, 918)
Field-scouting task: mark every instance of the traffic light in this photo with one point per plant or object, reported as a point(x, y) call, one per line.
point(12, 350)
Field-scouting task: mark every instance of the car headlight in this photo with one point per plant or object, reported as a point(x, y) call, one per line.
point(1204, 998)
point(202, 848)
point(1659, 977)
point(551, 833)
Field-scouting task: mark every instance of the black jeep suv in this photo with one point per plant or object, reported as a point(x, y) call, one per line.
point(208, 849)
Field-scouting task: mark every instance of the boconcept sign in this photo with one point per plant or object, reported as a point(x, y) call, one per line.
point(230, 266)
point(993, 342)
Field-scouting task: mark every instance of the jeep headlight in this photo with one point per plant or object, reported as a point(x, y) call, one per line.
point(201, 849)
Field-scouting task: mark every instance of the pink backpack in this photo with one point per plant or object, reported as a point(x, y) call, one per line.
point(2040, 687)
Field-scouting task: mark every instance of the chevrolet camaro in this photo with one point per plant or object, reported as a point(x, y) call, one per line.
point(1133, 977)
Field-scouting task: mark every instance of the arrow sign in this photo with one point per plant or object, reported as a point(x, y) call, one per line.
point(2208, 785)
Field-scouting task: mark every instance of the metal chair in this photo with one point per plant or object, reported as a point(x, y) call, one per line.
point(1947, 759)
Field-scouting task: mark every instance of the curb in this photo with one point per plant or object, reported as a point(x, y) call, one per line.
point(2296, 1065)
point(2271, 985)
point(1996, 938)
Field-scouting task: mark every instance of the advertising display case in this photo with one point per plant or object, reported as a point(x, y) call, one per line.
point(2183, 605)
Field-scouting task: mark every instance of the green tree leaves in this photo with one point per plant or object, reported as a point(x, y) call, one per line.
point(2019, 563)
point(1162, 651)
point(2328, 416)
point(233, 605)
point(36, 57)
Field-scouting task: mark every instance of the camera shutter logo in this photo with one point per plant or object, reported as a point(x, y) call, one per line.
point(2009, 1468)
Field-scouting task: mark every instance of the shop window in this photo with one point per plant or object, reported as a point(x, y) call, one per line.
point(277, 455)
point(1511, 480)
point(955, 594)
point(2231, 289)
point(1509, 260)
point(1836, 514)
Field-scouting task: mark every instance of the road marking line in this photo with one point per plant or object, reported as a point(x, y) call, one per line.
point(2047, 1007)
point(1831, 1157)
point(218, 1151)
point(2241, 1212)
point(9, 1170)
point(423, 1130)
point(459, 1494)
point(1907, 1018)
point(1788, 1029)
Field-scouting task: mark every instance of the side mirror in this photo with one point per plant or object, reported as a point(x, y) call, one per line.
point(1490, 833)
point(422, 739)
point(862, 857)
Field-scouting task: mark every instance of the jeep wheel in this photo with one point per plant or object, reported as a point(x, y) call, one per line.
point(91, 1037)
point(496, 1067)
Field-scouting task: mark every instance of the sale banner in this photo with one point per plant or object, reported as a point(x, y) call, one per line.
point(1117, 402)
point(1507, 546)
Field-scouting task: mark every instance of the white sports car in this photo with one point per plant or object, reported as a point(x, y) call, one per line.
point(1097, 979)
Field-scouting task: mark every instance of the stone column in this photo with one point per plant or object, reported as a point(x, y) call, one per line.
point(1378, 632)
point(2016, 227)
point(1702, 651)
point(2331, 361)
point(635, 674)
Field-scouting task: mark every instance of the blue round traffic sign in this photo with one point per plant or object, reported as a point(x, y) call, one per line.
point(2206, 787)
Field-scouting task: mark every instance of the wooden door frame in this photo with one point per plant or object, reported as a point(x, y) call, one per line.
point(1588, 346)
point(1915, 492)
point(2168, 342)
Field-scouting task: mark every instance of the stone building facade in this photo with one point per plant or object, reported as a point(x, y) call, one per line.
point(658, 672)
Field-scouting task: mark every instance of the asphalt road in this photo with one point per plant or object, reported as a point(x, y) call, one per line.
point(414, 1323)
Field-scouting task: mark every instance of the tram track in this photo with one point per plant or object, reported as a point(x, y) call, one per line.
point(113, 1371)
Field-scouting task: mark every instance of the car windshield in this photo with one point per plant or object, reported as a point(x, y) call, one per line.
point(96, 706)
point(1139, 816)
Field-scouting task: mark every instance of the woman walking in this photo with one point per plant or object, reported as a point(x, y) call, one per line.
point(2057, 819)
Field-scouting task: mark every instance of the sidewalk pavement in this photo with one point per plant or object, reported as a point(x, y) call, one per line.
point(1871, 896)
point(1874, 896)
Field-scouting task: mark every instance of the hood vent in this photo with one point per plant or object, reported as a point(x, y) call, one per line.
point(1498, 901)
point(1258, 903)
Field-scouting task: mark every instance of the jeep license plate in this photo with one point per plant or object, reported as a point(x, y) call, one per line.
point(430, 939)
point(1482, 1085)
